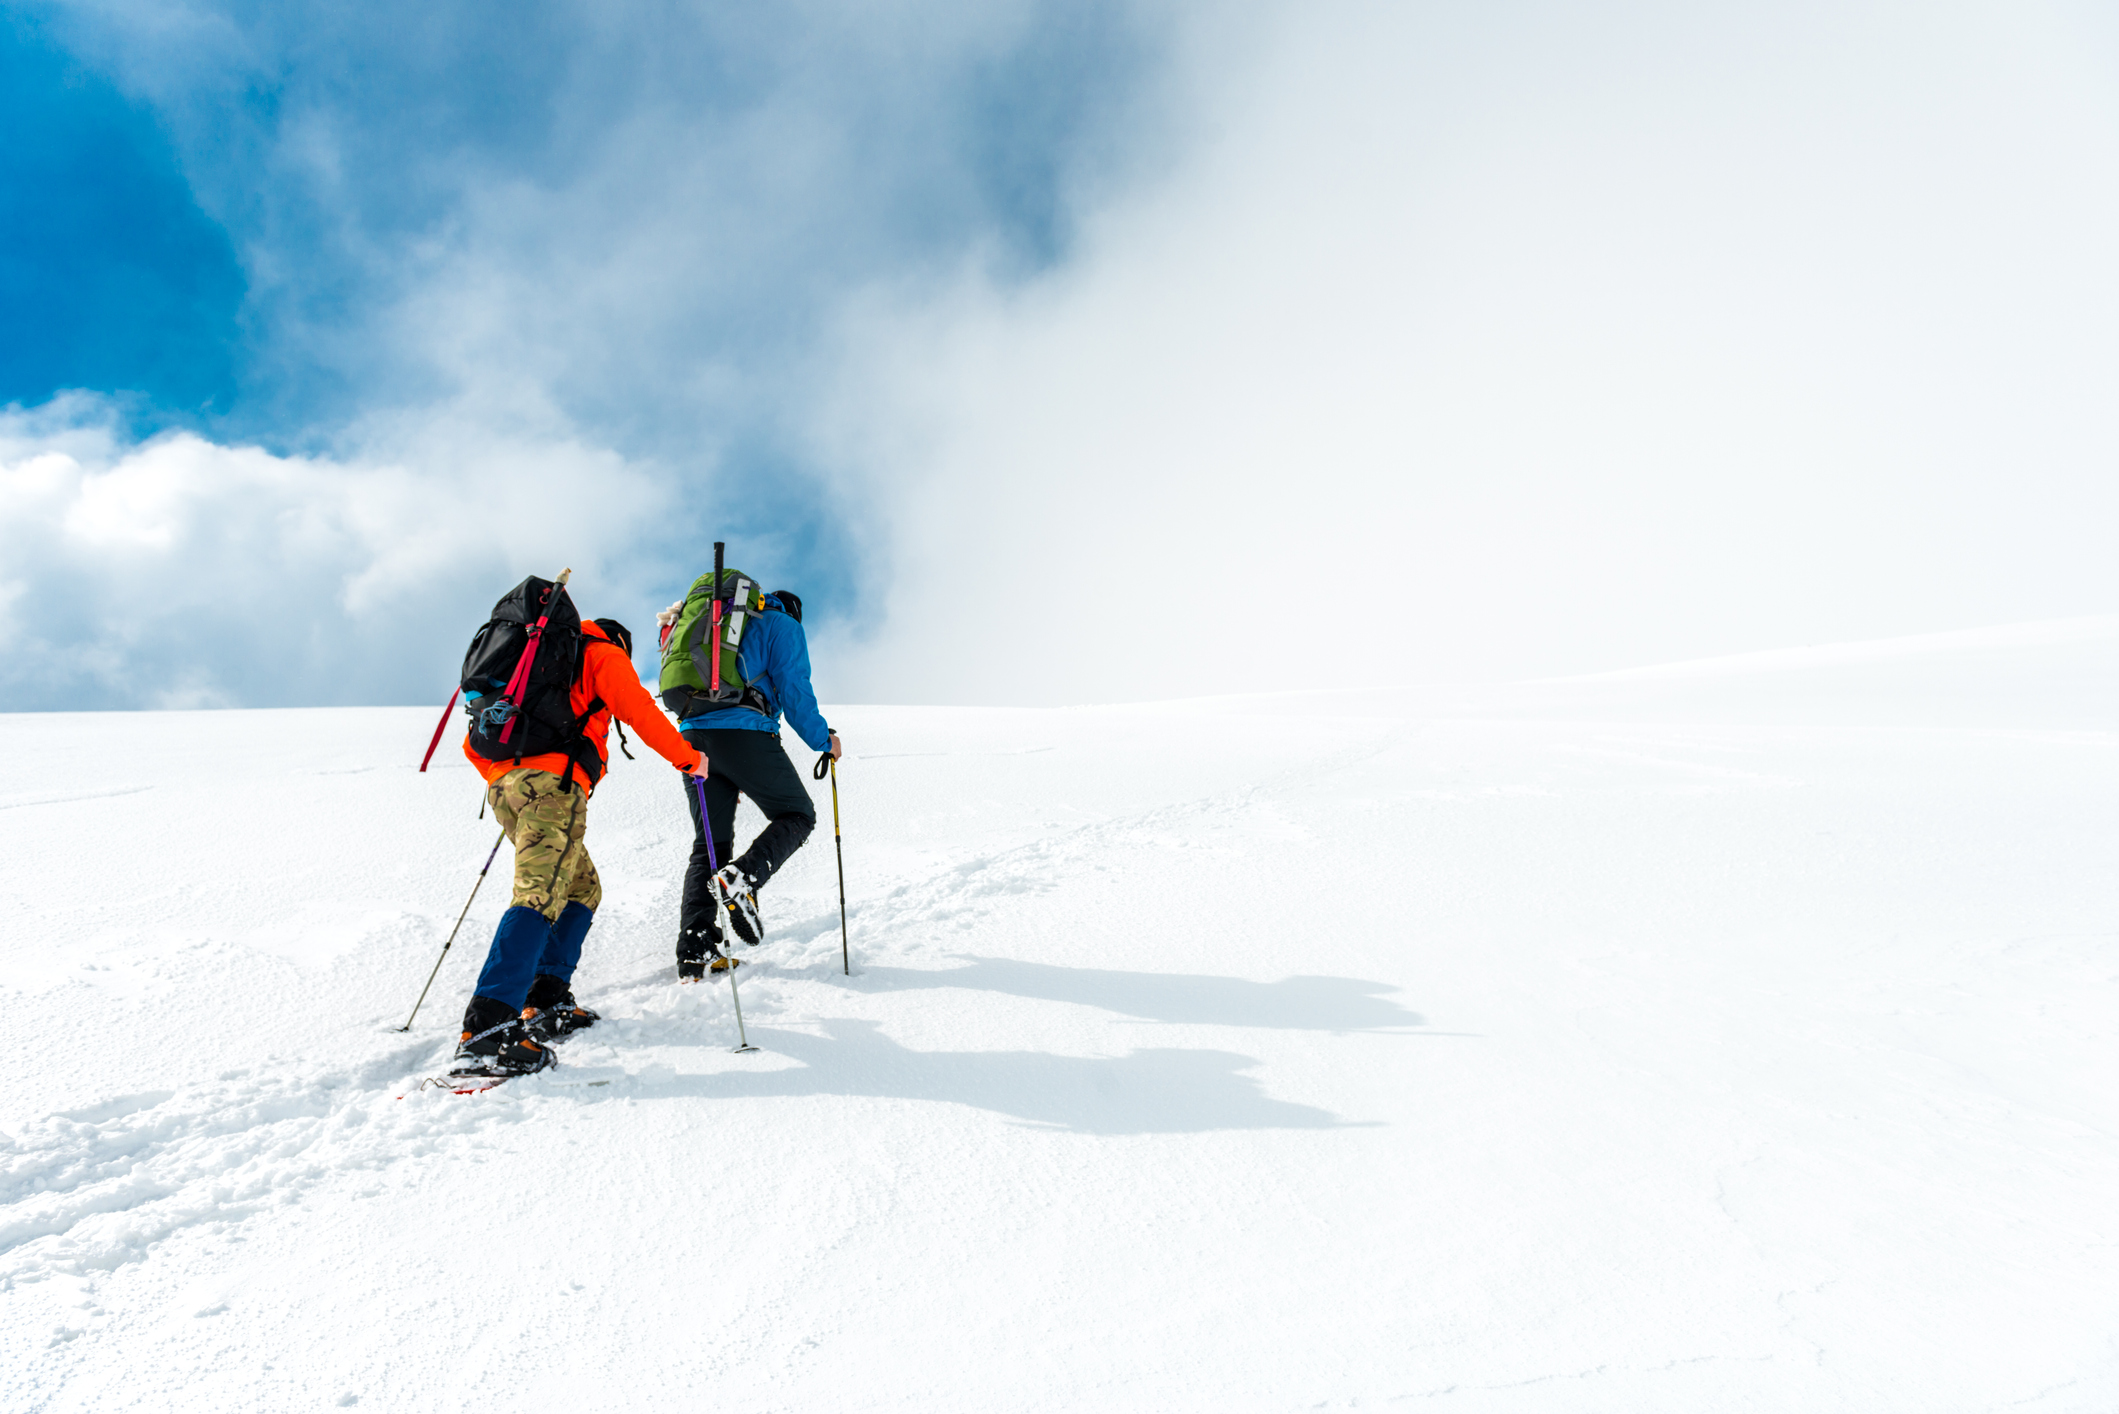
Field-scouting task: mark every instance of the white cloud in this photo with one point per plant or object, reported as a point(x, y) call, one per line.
point(548, 285)
point(1525, 338)
point(1449, 340)
point(177, 572)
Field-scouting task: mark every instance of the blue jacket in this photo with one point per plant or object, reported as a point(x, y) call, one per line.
point(774, 658)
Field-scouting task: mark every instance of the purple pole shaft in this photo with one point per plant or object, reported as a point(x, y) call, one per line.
point(706, 826)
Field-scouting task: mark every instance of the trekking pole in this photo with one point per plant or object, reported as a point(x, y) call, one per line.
point(706, 831)
point(826, 763)
point(743, 1041)
point(453, 931)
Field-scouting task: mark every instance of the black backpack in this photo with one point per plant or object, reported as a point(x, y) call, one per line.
point(538, 717)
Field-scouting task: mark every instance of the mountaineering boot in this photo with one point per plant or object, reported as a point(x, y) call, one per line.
point(698, 944)
point(494, 1042)
point(734, 891)
point(712, 962)
point(550, 1011)
point(486, 1027)
point(523, 1055)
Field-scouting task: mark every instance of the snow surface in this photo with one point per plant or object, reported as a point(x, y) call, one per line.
point(1711, 1039)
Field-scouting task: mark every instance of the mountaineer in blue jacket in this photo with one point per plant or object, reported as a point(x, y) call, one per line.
point(743, 754)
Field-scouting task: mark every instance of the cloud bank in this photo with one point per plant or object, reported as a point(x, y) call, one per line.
point(182, 573)
point(1081, 353)
point(1528, 339)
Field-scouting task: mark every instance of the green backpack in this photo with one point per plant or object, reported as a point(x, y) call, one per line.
point(690, 682)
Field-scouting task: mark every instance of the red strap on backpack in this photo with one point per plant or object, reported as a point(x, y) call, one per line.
point(521, 676)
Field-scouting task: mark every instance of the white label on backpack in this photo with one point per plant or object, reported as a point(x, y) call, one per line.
point(735, 628)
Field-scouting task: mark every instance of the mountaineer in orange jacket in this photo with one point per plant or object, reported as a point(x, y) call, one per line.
point(524, 999)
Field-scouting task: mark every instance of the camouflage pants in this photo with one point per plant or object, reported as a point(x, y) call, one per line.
point(545, 823)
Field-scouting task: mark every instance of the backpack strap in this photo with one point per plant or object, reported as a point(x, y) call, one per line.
point(536, 641)
point(575, 743)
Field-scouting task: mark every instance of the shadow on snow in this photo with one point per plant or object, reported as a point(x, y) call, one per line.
point(1294, 1003)
point(1160, 1091)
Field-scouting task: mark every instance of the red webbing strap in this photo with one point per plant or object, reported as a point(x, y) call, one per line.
point(714, 675)
point(440, 727)
point(521, 678)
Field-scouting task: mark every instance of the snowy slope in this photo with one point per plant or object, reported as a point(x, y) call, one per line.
point(1693, 1040)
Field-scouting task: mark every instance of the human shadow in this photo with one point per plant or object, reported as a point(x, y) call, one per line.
point(1163, 1091)
point(1340, 1004)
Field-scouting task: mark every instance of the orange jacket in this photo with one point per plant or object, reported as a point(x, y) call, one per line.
point(606, 673)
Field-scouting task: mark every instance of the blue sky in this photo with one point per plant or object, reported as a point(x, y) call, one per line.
point(269, 224)
point(132, 212)
point(1550, 336)
point(111, 277)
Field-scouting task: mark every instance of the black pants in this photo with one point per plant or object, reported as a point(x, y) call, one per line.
point(738, 763)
